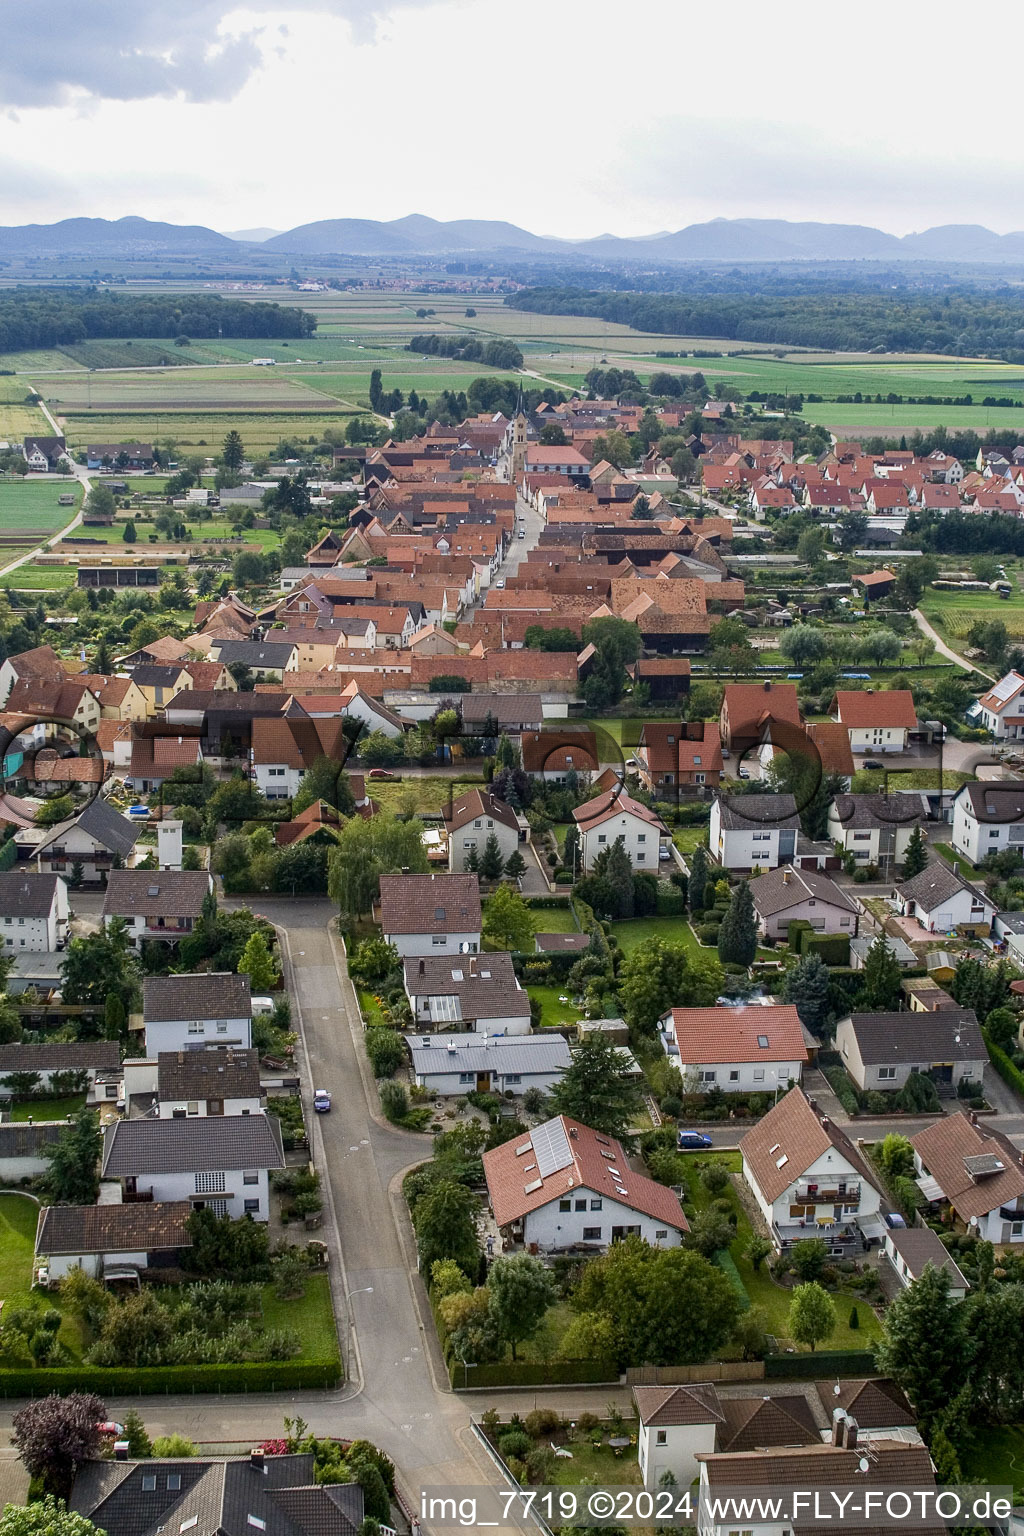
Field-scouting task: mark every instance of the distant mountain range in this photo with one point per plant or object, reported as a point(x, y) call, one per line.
point(417, 235)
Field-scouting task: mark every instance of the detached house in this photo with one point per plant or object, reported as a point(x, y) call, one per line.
point(163, 904)
point(111, 1241)
point(217, 1164)
point(476, 992)
point(33, 912)
point(669, 756)
point(876, 829)
point(472, 819)
point(749, 708)
point(739, 1050)
point(785, 895)
point(976, 1173)
point(880, 1050)
point(988, 818)
point(943, 902)
point(191, 1013)
point(97, 840)
point(808, 1178)
point(449, 1065)
point(1002, 708)
point(754, 831)
point(603, 821)
point(425, 914)
point(564, 1185)
point(877, 721)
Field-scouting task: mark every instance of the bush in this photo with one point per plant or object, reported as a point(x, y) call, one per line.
point(394, 1100)
point(515, 1443)
point(833, 948)
point(671, 1107)
point(708, 933)
point(386, 1050)
point(715, 1178)
point(542, 1421)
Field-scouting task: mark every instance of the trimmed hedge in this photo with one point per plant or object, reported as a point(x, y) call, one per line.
point(833, 948)
point(533, 1373)
point(123, 1381)
point(538, 903)
point(1011, 1075)
point(819, 1365)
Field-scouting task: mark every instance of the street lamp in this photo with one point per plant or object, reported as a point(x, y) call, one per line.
point(362, 1290)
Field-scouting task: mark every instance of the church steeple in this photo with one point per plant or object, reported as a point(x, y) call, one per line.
point(520, 422)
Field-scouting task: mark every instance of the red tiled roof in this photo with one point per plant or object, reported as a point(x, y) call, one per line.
point(789, 1138)
point(892, 708)
point(515, 1185)
point(430, 903)
point(595, 812)
point(707, 1035)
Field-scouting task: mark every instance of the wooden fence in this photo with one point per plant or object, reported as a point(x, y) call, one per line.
point(686, 1375)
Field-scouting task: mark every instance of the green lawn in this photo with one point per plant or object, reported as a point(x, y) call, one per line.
point(553, 920)
point(687, 839)
point(868, 780)
point(760, 1287)
point(552, 1012)
point(674, 930)
point(997, 1459)
point(370, 1007)
point(36, 504)
point(418, 794)
point(312, 1315)
point(18, 1220)
point(48, 1109)
point(964, 868)
point(39, 578)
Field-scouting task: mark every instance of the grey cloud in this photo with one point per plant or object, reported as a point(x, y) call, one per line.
point(131, 50)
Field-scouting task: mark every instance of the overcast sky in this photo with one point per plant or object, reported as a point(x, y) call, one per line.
point(569, 120)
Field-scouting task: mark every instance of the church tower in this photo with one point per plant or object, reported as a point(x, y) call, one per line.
point(519, 425)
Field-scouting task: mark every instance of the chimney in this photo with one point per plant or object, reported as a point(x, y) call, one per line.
point(974, 1117)
point(825, 1122)
point(121, 1449)
point(785, 877)
point(850, 1434)
point(423, 967)
point(838, 1425)
point(257, 1459)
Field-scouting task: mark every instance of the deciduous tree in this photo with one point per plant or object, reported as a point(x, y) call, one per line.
point(366, 850)
point(812, 1315)
point(54, 1435)
point(73, 1175)
point(507, 920)
point(924, 1344)
point(521, 1291)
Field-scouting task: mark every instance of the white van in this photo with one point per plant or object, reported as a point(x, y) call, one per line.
point(261, 1006)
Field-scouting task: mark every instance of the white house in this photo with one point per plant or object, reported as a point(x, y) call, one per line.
point(783, 896)
point(217, 1082)
point(217, 1163)
point(164, 904)
point(112, 1237)
point(676, 1423)
point(808, 1178)
point(428, 914)
point(753, 831)
point(943, 902)
point(988, 818)
point(375, 716)
point(740, 1050)
point(458, 1064)
point(880, 1050)
point(94, 840)
point(563, 1185)
point(475, 992)
point(976, 1172)
point(1001, 709)
point(33, 911)
point(877, 720)
point(876, 829)
point(472, 819)
point(909, 1249)
point(191, 1013)
point(601, 822)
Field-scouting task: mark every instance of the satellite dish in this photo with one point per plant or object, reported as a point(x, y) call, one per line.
point(863, 1464)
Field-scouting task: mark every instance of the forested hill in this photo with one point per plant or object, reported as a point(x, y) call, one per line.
point(53, 317)
point(962, 323)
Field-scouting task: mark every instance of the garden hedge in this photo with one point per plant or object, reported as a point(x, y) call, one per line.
point(124, 1381)
point(533, 1373)
point(820, 1365)
point(539, 903)
point(833, 948)
point(727, 1264)
point(1012, 1076)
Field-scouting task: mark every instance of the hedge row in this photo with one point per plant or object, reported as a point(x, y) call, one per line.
point(1011, 1075)
point(833, 948)
point(124, 1381)
point(538, 903)
point(820, 1365)
point(533, 1373)
point(727, 1264)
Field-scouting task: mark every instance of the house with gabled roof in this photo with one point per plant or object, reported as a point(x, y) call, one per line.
point(164, 904)
point(111, 1241)
point(753, 831)
point(988, 818)
point(217, 1163)
point(808, 1179)
point(942, 901)
point(564, 1185)
point(748, 708)
point(1002, 708)
point(97, 840)
point(878, 1407)
point(786, 895)
point(472, 992)
point(472, 819)
point(424, 914)
point(878, 720)
point(880, 1050)
point(669, 756)
point(974, 1171)
point(196, 1011)
point(748, 1049)
point(604, 820)
point(876, 828)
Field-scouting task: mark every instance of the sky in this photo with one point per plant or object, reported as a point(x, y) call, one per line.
point(568, 120)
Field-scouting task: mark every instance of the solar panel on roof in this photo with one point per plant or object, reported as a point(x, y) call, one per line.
point(551, 1145)
point(1005, 687)
point(529, 1189)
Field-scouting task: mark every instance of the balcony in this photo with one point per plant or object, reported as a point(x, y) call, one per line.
point(843, 1234)
point(827, 1194)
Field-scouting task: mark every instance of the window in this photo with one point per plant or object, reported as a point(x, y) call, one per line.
point(565, 1205)
point(222, 1026)
point(660, 1232)
point(698, 778)
point(661, 1437)
point(477, 824)
point(1017, 1228)
point(149, 1484)
point(641, 857)
point(466, 1077)
point(707, 1075)
point(252, 1207)
point(250, 1177)
point(173, 1482)
point(196, 1027)
point(641, 837)
point(439, 939)
point(255, 1520)
point(513, 1077)
point(596, 1205)
point(581, 1205)
point(601, 837)
point(591, 1234)
point(886, 1073)
point(759, 1074)
point(734, 1077)
point(209, 1183)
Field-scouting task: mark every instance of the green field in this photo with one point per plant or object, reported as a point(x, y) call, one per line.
point(312, 1315)
point(18, 1219)
point(38, 578)
point(956, 612)
point(35, 504)
point(553, 920)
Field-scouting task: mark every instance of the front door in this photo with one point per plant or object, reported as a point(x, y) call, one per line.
point(483, 1082)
